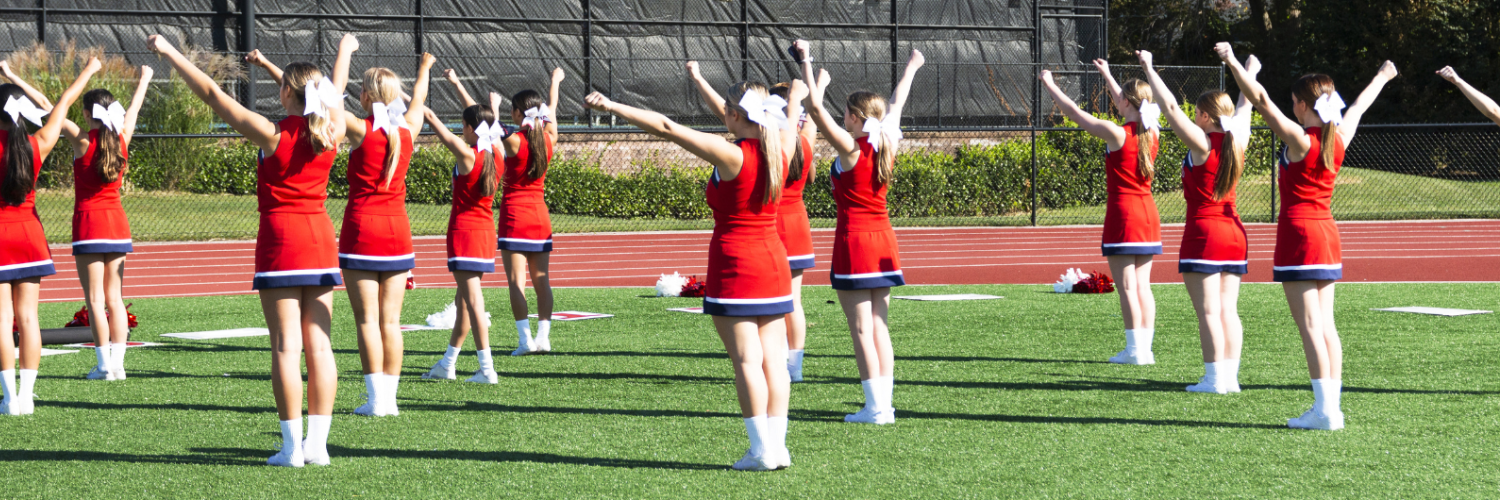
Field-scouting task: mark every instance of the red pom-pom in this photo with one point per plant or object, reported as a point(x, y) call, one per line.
point(694, 288)
point(130, 317)
point(80, 318)
point(1096, 282)
point(411, 282)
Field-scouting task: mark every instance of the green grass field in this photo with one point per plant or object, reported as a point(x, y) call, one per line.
point(1004, 398)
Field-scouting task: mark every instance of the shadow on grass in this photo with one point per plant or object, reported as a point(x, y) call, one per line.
point(515, 456)
point(199, 456)
point(1061, 385)
point(473, 406)
point(719, 355)
point(83, 405)
point(615, 376)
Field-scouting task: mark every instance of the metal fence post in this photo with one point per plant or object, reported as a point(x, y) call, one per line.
point(1275, 166)
point(41, 22)
point(895, 47)
point(588, 58)
point(247, 43)
point(419, 28)
point(1036, 97)
point(744, 40)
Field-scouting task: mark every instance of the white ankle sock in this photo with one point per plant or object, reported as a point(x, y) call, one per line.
point(523, 330)
point(1326, 395)
point(777, 428)
point(870, 393)
point(450, 357)
point(1229, 371)
point(794, 356)
point(486, 361)
point(756, 428)
point(1211, 371)
point(1129, 340)
point(1143, 337)
point(372, 387)
point(102, 354)
point(8, 383)
point(543, 328)
point(317, 430)
point(118, 351)
point(884, 392)
point(291, 434)
point(28, 383)
point(392, 383)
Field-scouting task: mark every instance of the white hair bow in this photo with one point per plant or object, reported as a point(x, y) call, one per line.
point(1328, 107)
point(320, 96)
point(537, 116)
point(890, 127)
point(769, 112)
point(390, 117)
point(489, 135)
point(21, 106)
point(112, 116)
point(1150, 116)
point(1238, 127)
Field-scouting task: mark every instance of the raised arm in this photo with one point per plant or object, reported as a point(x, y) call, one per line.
point(347, 46)
point(903, 87)
point(798, 93)
point(1112, 134)
point(136, 100)
point(414, 109)
point(710, 147)
point(1366, 98)
point(1182, 125)
point(710, 96)
point(77, 136)
point(46, 138)
point(816, 85)
point(1243, 110)
point(1116, 95)
point(1477, 98)
point(454, 143)
point(255, 58)
point(256, 128)
point(463, 95)
point(1289, 130)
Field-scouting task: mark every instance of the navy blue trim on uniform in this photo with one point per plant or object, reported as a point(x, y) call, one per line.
point(1211, 268)
point(383, 266)
point(1281, 158)
point(863, 282)
point(1131, 249)
point(43, 268)
point(469, 265)
point(741, 310)
point(88, 248)
point(1307, 274)
point(326, 278)
point(529, 246)
point(715, 177)
point(804, 263)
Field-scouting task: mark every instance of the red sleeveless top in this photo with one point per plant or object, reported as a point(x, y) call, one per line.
point(294, 178)
point(27, 209)
point(519, 187)
point(90, 192)
point(791, 191)
point(1306, 186)
point(1198, 182)
point(471, 208)
point(738, 203)
point(1122, 173)
point(366, 166)
point(858, 193)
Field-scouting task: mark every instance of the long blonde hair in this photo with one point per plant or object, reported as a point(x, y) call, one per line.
point(866, 105)
point(770, 140)
point(1216, 103)
point(295, 79)
point(1138, 92)
point(1308, 89)
point(383, 86)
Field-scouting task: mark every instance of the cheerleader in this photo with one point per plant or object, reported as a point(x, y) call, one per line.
point(791, 213)
point(1132, 227)
point(296, 260)
point(101, 234)
point(866, 263)
point(525, 231)
point(1214, 252)
point(471, 230)
point(1307, 257)
point(375, 250)
point(24, 256)
point(1477, 98)
point(749, 285)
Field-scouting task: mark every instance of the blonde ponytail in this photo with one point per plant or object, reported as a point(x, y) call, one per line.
point(1308, 89)
point(295, 78)
point(1216, 103)
point(868, 105)
point(1138, 93)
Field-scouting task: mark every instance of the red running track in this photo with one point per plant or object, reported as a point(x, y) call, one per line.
point(1454, 250)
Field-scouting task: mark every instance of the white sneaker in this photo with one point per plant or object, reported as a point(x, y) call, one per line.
point(387, 408)
point(870, 416)
point(779, 459)
point(23, 406)
point(1133, 358)
point(753, 463)
point(7, 409)
point(440, 372)
point(795, 372)
point(543, 344)
point(1317, 421)
point(100, 374)
point(1232, 387)
point(118, 373)
point(527, 347)
point(314, 457)
point(287, 458)
point(1205, 386)
point(484, 377)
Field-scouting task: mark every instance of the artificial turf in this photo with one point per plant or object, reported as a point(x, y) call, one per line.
point(1003, 398)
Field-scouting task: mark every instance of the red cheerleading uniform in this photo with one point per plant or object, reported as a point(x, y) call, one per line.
point(525, 225)
point(23, 245)
point(376, 235)
point(1131, 223)
point(471, 224)
point(295, 245)
point(747, 272)
point(99, 224)
point(864, 245)
point(1307, 240)
point(1213, 240)
point(791, 215)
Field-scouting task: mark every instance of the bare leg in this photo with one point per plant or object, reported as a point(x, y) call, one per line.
point(1229, 300)
point(392, 294)
point(7, 324)
point(91, 276)
point(515, 275)
point(742, 340)
point(1204, 290)
point(1306, 305)
point(283, 311)
point(541, 283)
point(857, 311)
point(1143, 294)
point(1331, 343)
point(25, 294)
point(322, 374)
point(364, 299)
point(473, 313)
point(880, 305)
point(460, 320)
point(796, 321)
point(772, 330)
point(1123, 267)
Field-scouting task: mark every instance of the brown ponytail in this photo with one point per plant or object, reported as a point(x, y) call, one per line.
point(866, 105)
point(1216, 103)
point(794, 167)
point(770, 143)
point(20, 159)
point(109, 155)
point(473, 117)
point(1308, 89)
point(1138, 93)
point(537, 158)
